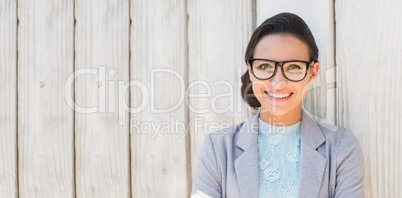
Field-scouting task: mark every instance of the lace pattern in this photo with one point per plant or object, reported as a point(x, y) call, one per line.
point(279, 159)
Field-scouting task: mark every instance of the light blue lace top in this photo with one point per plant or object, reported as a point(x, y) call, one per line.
point(278, 157)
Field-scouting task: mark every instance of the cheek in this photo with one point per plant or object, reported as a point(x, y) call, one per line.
point(256, 89)
point(259, 86)
point(254, 84)
point(252, 77)
point(301, 88)
point(304, 90)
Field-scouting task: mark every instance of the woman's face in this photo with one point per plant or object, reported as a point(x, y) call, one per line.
point(282, 48)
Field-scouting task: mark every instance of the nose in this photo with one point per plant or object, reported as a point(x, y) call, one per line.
point(278, 79)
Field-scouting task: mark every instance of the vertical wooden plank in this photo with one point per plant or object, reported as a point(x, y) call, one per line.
point(159, 116)
point(8, 98)
point(102, 141)
point(319, 16)
point(219, 32)
point(369, 48)
point(45, 121)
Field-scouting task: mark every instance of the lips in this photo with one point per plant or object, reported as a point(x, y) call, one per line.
point(279, 95)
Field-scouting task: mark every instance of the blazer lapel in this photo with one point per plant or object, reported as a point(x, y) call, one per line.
point(246, 165)
point(312, 163)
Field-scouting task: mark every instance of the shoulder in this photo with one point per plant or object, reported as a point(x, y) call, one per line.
point(346, 160)
point(336, 134)
point(225, 137)
point(342, 141)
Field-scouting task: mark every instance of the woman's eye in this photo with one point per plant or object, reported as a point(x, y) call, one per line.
point(294, 67)
point(264, 66)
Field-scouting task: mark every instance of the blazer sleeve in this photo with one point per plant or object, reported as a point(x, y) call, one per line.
point(207, 179)
point(350, 167)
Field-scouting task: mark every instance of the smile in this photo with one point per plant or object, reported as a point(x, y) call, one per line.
point(278, 95)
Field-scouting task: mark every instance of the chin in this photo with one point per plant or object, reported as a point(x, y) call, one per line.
point(277, 111)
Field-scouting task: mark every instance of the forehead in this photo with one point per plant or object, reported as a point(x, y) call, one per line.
point(281, 48)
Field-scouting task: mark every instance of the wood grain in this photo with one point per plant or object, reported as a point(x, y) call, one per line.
point(319, 16)
point(218, 36)
point(8, 98)
point(369, 48)
point(45, 121)
point(101, 132)
point(184, 57)
point(159, 64)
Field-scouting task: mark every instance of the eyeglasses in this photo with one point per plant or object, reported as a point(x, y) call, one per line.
point(293, 70)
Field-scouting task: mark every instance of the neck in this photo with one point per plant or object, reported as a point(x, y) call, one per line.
point(287, 119)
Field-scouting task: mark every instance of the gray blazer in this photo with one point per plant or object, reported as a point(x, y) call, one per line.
point(331, 162)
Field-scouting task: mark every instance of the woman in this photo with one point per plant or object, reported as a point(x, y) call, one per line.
point(281, 151)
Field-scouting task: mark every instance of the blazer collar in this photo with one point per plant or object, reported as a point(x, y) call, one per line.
point(312, 163)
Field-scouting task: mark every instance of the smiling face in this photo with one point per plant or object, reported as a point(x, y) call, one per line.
point(277, 95)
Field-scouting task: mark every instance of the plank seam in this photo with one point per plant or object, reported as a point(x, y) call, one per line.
point(335, 62)
point(129, 99)
point(16, 106)
point(254, 14)
point(74, 151)
point(187, 116)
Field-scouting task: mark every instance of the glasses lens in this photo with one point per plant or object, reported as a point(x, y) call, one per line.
point(295, 70)
point(263, 69)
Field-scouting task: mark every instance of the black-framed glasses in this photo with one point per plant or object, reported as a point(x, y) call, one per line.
point(293, 70)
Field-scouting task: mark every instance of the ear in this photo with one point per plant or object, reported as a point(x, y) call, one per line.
point(314, 72)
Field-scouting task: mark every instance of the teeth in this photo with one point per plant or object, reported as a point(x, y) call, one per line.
point(280, 95)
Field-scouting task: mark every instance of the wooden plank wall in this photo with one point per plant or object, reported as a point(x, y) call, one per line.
point(45, 122)
point(128, 122)
point(8, 98)
point(159, 150)
point(369, 61)
point(101, 143)
point(217, 42)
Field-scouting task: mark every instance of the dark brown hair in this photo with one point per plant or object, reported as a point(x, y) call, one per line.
point(283, 23)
